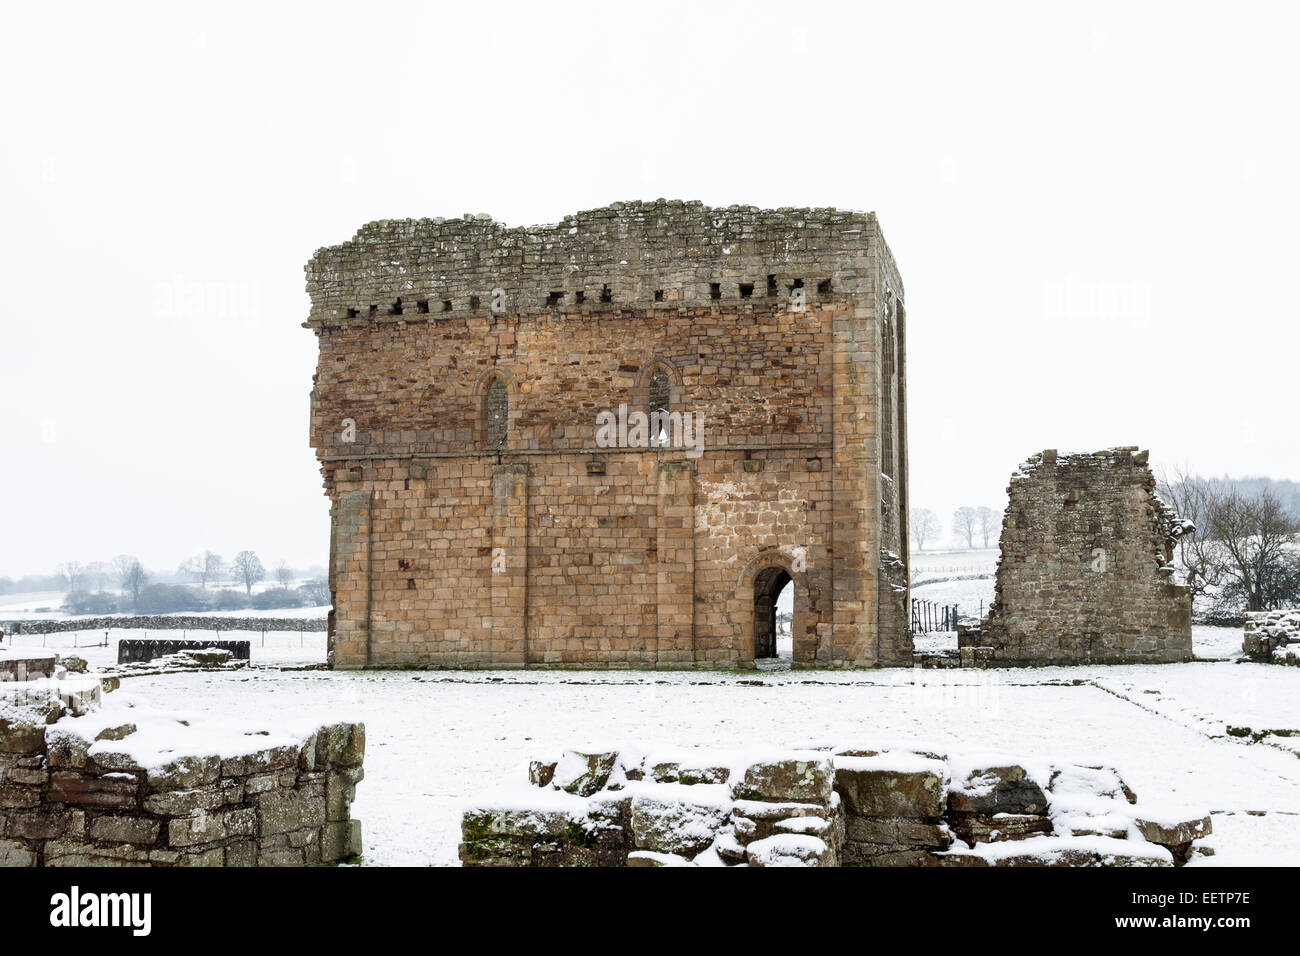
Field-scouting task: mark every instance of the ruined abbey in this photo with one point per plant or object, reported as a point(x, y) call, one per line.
point(614, 440)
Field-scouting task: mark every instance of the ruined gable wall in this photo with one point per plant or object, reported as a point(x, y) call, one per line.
point(1084, 575)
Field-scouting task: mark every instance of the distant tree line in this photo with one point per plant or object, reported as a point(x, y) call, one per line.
point(969, 524)
point(125, 585)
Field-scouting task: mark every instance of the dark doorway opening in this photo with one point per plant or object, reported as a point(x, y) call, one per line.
point(773, 614)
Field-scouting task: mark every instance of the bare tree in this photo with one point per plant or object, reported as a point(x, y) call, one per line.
point(74, 575)
point(1242, 547)
point(925, 526)
point(1195, 499)
point(987, 520)
point(203, 568)
point(1256, 534)
point(131, 576)
point(247, 569)
point(964, 523)
point(283, 574)
point(318, 591)
point(98, 574)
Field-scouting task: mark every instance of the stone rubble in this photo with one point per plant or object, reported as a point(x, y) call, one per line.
point(825, 807)
point(1272, 637)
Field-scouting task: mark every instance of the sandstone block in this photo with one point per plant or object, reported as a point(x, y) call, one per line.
point(673, 818)
point(805, 777)
point(999, 789)
point(889, 787)
point(583, 773)
point(124, 829)
point(113, 791)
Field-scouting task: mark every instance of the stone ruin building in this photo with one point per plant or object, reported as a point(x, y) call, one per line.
point(1086, 571)
point(497, 499)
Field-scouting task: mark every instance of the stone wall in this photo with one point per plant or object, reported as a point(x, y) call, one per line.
point(1085, 574)
point(163, 622)
point(782, 331)
point(825, 807)
point(103, 790)
point(1272, 636)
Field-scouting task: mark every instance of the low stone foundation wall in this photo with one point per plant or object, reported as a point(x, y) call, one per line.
point(847, 807)
point(119, 786)
point(27, 665)
point(143, 651)
point(1272, 637)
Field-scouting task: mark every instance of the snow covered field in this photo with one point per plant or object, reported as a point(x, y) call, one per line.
point(437, 739)
point(274, 648)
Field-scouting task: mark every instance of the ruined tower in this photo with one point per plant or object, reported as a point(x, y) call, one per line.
point(613, 440)
point(1086, 574)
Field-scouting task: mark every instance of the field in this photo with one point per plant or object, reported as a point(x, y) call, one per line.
point(437, 739)
point(1199, 733)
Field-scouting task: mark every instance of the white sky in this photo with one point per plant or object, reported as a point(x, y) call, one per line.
point(1094, 211)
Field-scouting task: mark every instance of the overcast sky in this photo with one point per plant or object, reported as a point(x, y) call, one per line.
point(1095, 213)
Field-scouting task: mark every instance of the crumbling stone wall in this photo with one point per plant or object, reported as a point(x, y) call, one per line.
point(824, 807)
point(1272, 636)
point(783, 331)
point(1085, 574)
point(73, 794)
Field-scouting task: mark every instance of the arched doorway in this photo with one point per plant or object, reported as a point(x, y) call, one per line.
point(773, 613)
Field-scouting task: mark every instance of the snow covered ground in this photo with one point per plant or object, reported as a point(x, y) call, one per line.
point(437, 739)
point(274, 648)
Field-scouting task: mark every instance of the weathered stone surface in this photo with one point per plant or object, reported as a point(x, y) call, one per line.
point(205, 827)
point(21, 734)
point(185, 813)
point(284, 810)
point(875, 787)
point(673, 818)
point(997, 827)
point(183, 773)
point(583, 773)
point(117, 732)
point(1086, 569)
point(122, 829)
point(261, 761)
point(990, 790)
point(541, 772)
point(340, 840)
point(699, 305)
point(807, 777)
point(1172, 831)
point(14, 853)
point(897, 833)
point(45, 823)
point(66, 749)
point(116, 791)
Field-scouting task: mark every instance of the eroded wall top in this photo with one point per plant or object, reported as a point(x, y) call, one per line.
point(626, 255)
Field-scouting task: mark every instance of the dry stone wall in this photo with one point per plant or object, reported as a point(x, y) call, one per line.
point(162, 622)
point(1085, 574)
point(459, 544)
point(106, 788)
point(821, 807)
